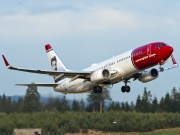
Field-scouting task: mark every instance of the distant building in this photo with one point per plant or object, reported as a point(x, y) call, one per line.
point(36, 131)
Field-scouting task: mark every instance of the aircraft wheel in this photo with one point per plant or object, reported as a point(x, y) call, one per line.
point(161, 69)
point(95, 89)
point(99, 89)
point(128, 89)
point(123, 89)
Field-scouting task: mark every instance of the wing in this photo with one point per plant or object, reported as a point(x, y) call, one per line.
point(69, 74)
point(39, 84)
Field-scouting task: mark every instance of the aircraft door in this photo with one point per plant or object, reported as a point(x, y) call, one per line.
point(64, 85)
point(108, 66)
point(149, 49)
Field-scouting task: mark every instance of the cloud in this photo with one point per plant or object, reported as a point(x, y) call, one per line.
point(81, 19)
point(102, 19)
point(170, 22)
point(65, 22)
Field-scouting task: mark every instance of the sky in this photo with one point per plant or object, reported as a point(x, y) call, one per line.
point(82, 33)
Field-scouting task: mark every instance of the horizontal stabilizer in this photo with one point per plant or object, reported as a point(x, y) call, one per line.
point(40, 84)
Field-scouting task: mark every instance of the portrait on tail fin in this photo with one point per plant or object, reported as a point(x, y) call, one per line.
point(54, 63)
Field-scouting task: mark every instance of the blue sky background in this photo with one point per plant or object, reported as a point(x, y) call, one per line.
point(82, 33)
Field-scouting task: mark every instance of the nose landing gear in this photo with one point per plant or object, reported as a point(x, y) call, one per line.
point(161, 69)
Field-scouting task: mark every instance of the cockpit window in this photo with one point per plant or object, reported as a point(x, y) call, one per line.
point(158, 46)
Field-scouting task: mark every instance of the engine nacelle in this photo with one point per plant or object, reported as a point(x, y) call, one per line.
point(148, 75)
point(100, 75)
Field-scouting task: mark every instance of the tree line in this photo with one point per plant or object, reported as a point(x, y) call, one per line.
point(58, 116)
point(56, 122)
point(169, 103)
point(96, 102)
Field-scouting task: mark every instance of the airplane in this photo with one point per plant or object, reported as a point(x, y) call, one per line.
point(134, 64)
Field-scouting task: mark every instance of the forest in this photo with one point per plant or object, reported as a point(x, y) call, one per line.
point(58, 115)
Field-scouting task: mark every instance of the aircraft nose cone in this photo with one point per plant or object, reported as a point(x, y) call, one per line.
point(170, 49)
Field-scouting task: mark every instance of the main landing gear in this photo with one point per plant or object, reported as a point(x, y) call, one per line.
point(125, 88)
point(97, 89)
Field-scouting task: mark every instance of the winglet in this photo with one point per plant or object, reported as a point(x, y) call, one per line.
point(175, 65)
point(48, 47)
point(5, 61)
point(173, 60)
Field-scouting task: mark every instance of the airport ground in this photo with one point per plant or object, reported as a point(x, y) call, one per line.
point(170, 131)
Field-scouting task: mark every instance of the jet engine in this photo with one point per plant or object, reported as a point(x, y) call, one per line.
point(100, 75)
point(148, 75)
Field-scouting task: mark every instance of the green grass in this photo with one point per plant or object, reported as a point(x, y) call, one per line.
point(173, 131)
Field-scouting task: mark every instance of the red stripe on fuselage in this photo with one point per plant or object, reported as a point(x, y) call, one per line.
point(150, 55)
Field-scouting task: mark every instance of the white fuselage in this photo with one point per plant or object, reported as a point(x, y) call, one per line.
point(131, 64)
point(121, 64)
